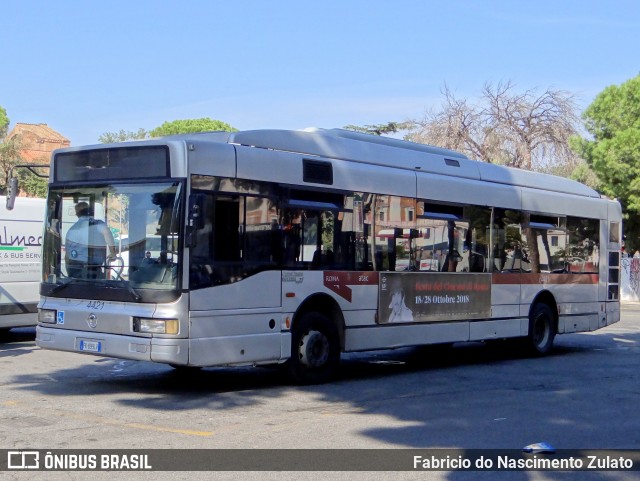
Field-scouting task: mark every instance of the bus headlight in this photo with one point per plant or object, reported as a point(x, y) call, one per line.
point(47, 316)
point(155, 326)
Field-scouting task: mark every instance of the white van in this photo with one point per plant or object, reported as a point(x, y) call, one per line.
point(21, 232)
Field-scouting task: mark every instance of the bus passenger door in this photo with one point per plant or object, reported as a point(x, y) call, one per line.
point(231, 263)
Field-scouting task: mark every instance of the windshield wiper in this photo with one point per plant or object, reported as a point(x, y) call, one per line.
point(97, 282)
point(122, 283)
point(63, 283)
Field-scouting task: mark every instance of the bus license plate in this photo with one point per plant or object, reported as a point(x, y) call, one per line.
point(90, 346)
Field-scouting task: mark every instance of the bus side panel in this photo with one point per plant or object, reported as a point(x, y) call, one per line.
point(576, 296)
point(496, 329)
point(349, 176)
point(612, 312)
point(392, 336)
point(505, 294)
point(257, 291)
point(216, 351)
point(562, 204)
point(611, 249)
point(238, 323)
point(207, 158)
point(356, 292)
point(236, 336)
point(465, 191)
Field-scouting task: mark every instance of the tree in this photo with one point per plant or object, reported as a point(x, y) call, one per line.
point(10, 156)
point(9, 150)
point(378, 129)
point(31, 184)
point(4, 123)
point(192, 125)
point(613, 152)
point(525, 130)
point(123, 136)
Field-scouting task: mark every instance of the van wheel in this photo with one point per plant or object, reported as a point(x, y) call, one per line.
point(315, 349)
point(542, 330)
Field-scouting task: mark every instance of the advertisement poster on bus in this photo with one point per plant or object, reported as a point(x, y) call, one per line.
point(427, 297)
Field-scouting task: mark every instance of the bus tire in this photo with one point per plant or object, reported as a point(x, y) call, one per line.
point(315, 349)
point(542, 330)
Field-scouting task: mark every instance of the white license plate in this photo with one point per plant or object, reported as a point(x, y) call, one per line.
point(90, 346)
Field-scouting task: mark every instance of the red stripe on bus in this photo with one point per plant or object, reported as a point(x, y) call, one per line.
point(339, 281)
point(544, 278)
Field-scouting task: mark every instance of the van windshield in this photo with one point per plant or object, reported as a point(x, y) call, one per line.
point(113, 237)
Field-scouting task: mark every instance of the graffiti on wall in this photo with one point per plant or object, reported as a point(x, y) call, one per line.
point(630, 278)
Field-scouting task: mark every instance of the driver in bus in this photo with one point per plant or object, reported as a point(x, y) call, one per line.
point(89, 244)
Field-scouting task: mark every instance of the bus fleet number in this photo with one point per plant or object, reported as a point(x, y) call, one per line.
point(95, 305)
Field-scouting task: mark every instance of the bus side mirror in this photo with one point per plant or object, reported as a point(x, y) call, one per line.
point(196, 211)
point(12, 192)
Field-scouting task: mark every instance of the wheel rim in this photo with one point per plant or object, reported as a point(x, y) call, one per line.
point(540, 331)
point(314, 349)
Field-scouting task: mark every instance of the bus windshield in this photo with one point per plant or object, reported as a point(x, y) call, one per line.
point(110, 238)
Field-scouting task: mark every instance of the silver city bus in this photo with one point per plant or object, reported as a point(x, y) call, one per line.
point(274, 247)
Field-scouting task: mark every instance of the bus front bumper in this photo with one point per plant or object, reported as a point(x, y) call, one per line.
point(169, 351)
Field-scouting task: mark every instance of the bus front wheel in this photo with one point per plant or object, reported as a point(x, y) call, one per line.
point(542, 330)
point(315, 349)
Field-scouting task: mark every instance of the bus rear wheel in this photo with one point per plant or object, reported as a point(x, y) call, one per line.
point(315, 349)
point(542, 330)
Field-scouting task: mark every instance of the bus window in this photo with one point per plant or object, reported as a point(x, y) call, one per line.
point(476, 244)
point(452, 238)
point(509, 254)
point(583, 241)
point(313, 239)
point(395, 221)
point(539, 233)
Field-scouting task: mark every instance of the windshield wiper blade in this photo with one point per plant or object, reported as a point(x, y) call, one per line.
point(136, 297)
point(64, 283)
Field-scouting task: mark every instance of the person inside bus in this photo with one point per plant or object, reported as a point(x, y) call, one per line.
point(89, 244)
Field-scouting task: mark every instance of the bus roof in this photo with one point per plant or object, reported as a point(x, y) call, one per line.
point(377, 150)
point(390, 152)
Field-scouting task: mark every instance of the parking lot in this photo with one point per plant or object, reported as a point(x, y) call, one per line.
point(472, 396)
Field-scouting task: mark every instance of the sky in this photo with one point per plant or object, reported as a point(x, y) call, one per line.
point(90, 67)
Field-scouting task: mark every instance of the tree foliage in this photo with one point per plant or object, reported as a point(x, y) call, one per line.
point(4, 123)
point(526, 129)
point(378, 129)
point(613, 152)
point(123, 136)
point(168, 128)
point(189, 126)
point(31, 184)
point(9, 150)
point(9, 157)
